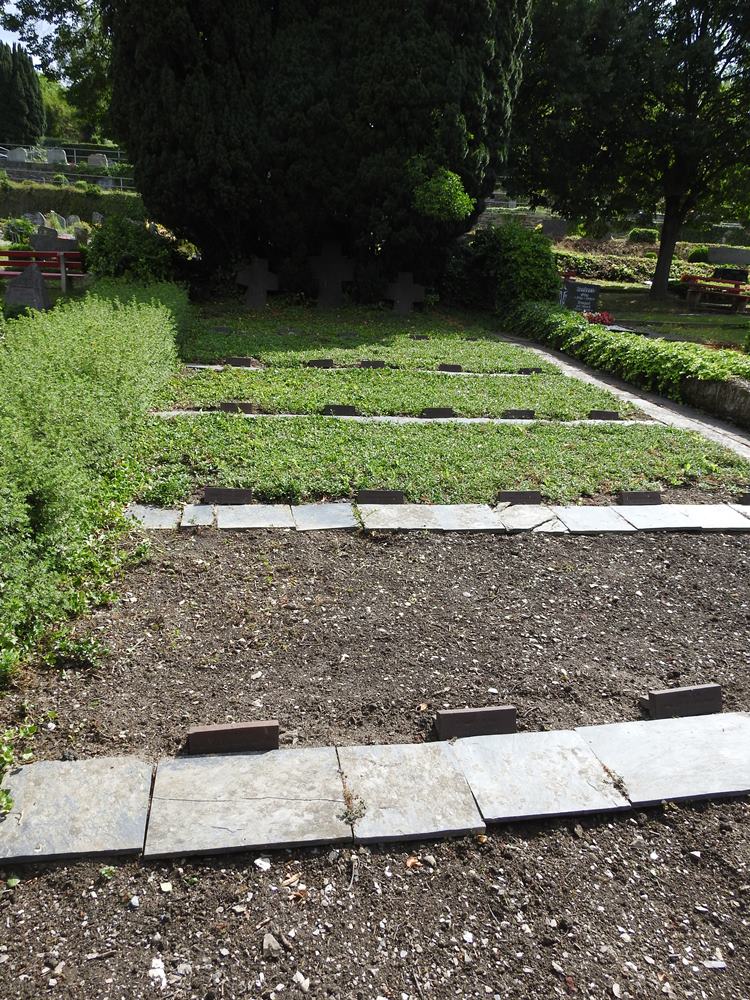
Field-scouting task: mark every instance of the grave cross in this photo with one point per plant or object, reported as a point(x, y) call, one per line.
point(404, 293)
point(332, 269)
point(258, 281)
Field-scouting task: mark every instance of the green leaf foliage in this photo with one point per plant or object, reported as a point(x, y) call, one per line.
point(22, 108)
point(120, 248)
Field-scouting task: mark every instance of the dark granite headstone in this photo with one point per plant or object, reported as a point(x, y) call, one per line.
point(380, 496)
point(579, 297)
point(405, 293)
point(238, 406)
point(450, 368)
point(374, 363)
point(28, 289)
point(258, 282)
point(226, 495)
point(671, 703)
point(234, 737)
point(533, 497)
point(418, 336)
point(436, 412)
point(320, 363)
point(519, 414)
point(458, 723)
point(331, 269)
point(604, 415)
point(530, 371)
point(46, 240)
point(639, 498)
point(744, 499)
point(340, 410)
point(243, 362)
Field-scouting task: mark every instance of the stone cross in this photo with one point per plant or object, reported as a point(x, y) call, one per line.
point(28, 289)
point(258, 281)
point(404, 293)
point(332, 269)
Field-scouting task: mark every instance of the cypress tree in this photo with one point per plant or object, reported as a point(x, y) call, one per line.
point(271, 127)
point(22, 117)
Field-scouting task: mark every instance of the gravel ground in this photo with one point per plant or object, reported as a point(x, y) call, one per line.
point(355, 639)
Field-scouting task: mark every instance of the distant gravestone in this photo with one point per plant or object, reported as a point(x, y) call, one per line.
point(73, 220)
point(56, 221)
point(404, 293)
point(106, 182)
point(98, 160)
point(258, 282)
point(97, 218)
point(332, 269)
point(555, 229)
point(18, 155)
point(580, 297)
point(57, 155)
point(81, 235)
point(46, 239)
point(729, 255)
point(28, 289)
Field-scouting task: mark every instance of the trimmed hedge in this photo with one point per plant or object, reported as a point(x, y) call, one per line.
point(75, 385)
point(654, 364)
point(610, 267)
point(19, 198)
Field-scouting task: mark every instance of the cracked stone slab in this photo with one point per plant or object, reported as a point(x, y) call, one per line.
point(242, 517)
point(658, 517)
point(593, 520)
point(430, 517)
point(198, 515)
point(153, 518)
point(714, 516)
point(672, 759)
point(742, 509)
point(69, 809)
point(408, 792)
point(526, 517)
point(553, 527)
point(322, 516)
point(282, 798)
point(524, 776)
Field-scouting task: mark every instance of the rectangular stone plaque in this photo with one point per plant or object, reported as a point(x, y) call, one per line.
point(438, 412)
point(238, 406)
point(405, 792)
point(197, 516)
point(243, 362)
point(518, 414)
point(519, 496)
point(226, 495)
point(675, 759)
point(449, 368)
point(535, 775)
point(585, 520)
point(234, 737)
point(670, 703)
point(526, 516)
point(658, 517)
point(324, 516)
point(244, 517)
point(153, 518)
point(604, 415)
point(380, 496)
point(714, 516)
point(320, 363)
point(340, 410)
point(430, 517)
point(639, 498)
point(69, 809)
point(283, 798)
point(531, 371)
point(372, 363)
point(458, 723)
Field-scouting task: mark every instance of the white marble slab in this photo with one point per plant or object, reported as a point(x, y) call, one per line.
point(588, 520)
point(430, 517)
point(671, 759)
point(532, 775)
point(657, 517)
point(407, 792)
point(282, 798)
point(714, 516)
point(324, 516)
point(242, 517)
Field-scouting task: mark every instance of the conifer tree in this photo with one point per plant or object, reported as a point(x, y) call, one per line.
point(22, 117)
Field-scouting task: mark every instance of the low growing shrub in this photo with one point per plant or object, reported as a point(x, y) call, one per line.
point(19, 230)
point(654, 364)
point(122, 248)
point(643, 236)
point(699, 253)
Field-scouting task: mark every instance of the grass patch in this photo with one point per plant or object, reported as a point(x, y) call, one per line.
point(386, 392)
point(318, 458)
point(288, 336)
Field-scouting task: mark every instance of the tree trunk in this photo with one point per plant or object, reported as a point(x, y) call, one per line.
point(674, 216)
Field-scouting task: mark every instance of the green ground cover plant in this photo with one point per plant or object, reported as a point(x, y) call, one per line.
point(670, 318)
point(621, 267)
point(314, 458)
point(309, 390)
point(288, 336)
point(75, 384)
point(656, 364)
point(17, 198)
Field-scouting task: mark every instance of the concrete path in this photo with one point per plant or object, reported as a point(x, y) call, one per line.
point(363, 794)
point(522, 421)
point(544, 518)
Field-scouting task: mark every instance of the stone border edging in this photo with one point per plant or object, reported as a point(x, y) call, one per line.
point(381, 419)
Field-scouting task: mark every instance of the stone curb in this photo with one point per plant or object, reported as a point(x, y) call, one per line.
point(500, 421)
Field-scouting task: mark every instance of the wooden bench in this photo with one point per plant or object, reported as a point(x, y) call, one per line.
point(62, 265)
point(718, 289)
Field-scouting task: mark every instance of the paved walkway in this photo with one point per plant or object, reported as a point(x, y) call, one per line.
point(542, 518)
point(363, 794)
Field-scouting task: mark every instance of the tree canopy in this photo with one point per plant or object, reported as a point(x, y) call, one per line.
point(636, 105)
point(22, 117)
point(271, 128)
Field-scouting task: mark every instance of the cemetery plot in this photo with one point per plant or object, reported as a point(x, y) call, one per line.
point(371, 392)
point(310, 458)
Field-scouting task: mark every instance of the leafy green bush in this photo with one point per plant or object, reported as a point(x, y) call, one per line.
point(643, 236)
point(655, 364)
point(443, 197)
point(698, 253)
point(75, 385)
point(122, 248)
point(4, 181)
point(27, 196)
point(500, 266)
point(19, 230)
point(620, 268)
point(60, 180)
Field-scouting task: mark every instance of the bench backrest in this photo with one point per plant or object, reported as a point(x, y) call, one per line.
point(47, 260)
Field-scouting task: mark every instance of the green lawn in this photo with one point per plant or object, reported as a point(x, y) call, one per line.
point(309, 390)
point(635, 308)
point(316, 458)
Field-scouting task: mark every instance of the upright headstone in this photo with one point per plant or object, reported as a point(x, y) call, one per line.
point(332, 269)
point(106, 183)
point(579, 297)
point(98, 160)
point(56, 221)
point(405, 293)
point(57, 155)
point(258, 282)
point(28, 289)
point(97, 218)
point(73, 220)
point(17, 155)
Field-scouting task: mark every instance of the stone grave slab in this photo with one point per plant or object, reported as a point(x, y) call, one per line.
point(526, 516)
point(379, 496)
point(68, 809)
point(584, 520)
point(258, 282)
point(741, 508)
point(533, 775)
point(28, 289)
point(438, 413)
point(630, 498)
point(430, 517)
point(713, 516)
point(408, 792)
point(233, 737)
point(518, 415)
point(324, 516)
point(243, 517)
point(672, 759)
point(282, 798)
point(198, 515)
point(604, 415)
point(669, 703)
point(659, 517)
point(57, 155)
point(453, 369)
point(227, 495)
point(405, 293)
point(553, 527)
point(520, 496)
point(18, 155)
point(154, 518)
point(332, 269)
point(458, 723)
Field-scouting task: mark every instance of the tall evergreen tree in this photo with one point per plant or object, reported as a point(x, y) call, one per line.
point(22, 117)
point(270, 127)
